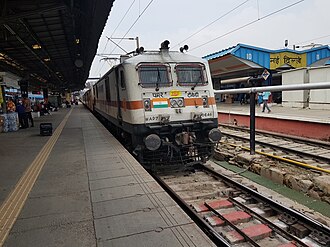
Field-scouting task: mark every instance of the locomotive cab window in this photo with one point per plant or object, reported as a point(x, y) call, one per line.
point(107, 89)
point(122, 80)
point(96, 91)
point(191, 74)
point(154, 75)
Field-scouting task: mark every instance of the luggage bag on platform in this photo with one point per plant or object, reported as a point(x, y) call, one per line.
point(46, 129)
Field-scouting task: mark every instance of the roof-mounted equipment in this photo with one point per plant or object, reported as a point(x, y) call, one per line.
point(139, 50)
point(165, 45)
point(184, 48)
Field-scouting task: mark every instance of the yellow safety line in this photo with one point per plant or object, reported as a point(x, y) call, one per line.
point(14, 203)
point(283, 159)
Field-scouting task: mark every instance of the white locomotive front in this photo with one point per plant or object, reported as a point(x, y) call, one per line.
point(162, 103)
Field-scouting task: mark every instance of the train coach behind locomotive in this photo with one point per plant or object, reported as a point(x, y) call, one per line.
point(162, 103)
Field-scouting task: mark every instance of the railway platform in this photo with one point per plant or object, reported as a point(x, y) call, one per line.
point(80, 187)
point(301, 122)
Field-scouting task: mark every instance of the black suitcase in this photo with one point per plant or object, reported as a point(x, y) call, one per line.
point(46, 129)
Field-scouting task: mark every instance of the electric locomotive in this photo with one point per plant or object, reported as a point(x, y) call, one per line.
point(162, 104)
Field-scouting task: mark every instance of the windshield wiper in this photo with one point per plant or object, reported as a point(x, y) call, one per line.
point(199, 80)
point(158, 80)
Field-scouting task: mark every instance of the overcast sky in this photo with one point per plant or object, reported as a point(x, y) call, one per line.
point(175, 20)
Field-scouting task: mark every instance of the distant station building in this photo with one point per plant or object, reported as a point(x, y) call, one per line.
point(249, 66)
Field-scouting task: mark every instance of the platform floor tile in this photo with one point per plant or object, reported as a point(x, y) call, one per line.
point(58, 211)
point(129, 207)
point(116, 193)
point(160, 238)
point(112, 182)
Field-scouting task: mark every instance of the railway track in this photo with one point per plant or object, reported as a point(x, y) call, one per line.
point(306, 151)
point(235, 215)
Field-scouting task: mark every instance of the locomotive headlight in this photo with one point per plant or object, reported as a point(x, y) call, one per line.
point(147, 104)
point(215, 135)
point(180, 102)
point(177, 102)
point(205, 101)
point(152, 142)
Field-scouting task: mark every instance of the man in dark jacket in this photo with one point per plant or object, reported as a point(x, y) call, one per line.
point(23, 121)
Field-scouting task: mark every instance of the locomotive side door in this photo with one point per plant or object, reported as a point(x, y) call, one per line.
point(119, 114)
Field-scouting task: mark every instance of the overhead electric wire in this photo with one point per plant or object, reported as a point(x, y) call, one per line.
point(121, 48)
point(325, 36)
point(133, 24)
point(212, 22)
point(105, 47)
point(248, 24)
point(100, 60)
point(129, 8)
point(129, 28)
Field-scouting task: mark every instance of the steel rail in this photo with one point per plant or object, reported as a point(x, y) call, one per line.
point(305, 165)
point(290, 161)
point(282, 148)
point(275, 205)
point(296, 138)
point(270, 224)
point(206, 228)
point(232, 225)
point(254, 90)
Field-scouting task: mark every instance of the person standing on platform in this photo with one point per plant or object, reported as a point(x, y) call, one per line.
point(28, 111)
point(23, 121)
point(260, 99)
point(11, 107)
point(265, 98)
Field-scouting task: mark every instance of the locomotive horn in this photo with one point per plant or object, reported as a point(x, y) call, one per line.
point(184, 48)
point(139, 50)
point(164, 45)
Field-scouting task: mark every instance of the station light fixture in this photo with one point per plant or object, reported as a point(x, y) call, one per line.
point(77, 41)
point(36, 47)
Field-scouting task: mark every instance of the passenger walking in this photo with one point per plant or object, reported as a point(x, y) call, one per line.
point(265, 98)
point(44, 109)
point(28, 110)
point(22, 117)
point(242, 96)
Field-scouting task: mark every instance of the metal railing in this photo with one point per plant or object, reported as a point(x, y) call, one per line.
point(254, 90)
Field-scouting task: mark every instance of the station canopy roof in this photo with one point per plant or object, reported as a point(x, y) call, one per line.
point(234, 62)
point(230, 66)
point(51, 43)
point(245, 60)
